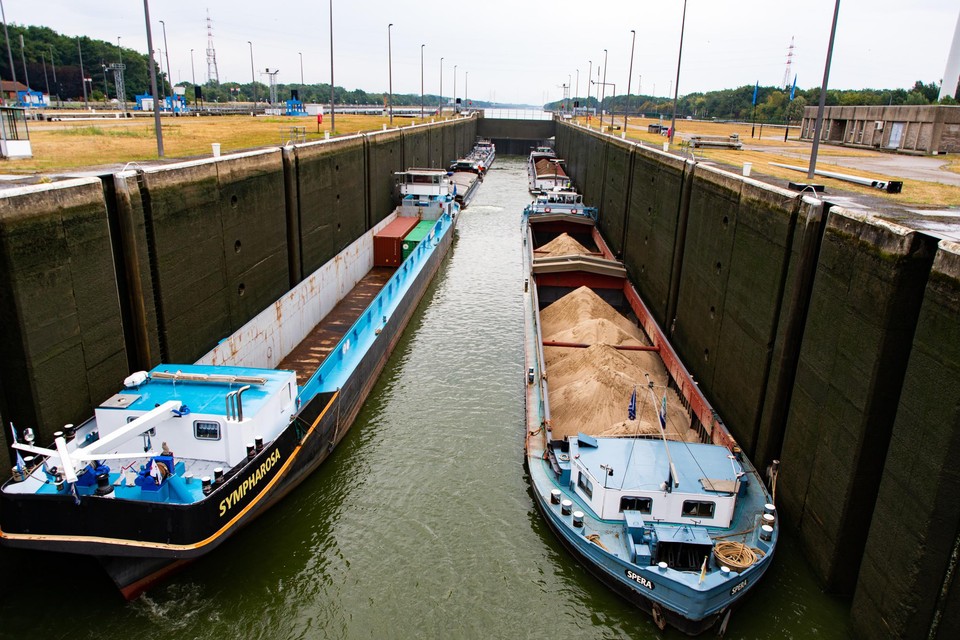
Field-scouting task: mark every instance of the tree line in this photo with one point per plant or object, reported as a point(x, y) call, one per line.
point(773, 104)
point(46, 51)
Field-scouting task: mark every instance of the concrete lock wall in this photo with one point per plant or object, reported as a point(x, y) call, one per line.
point(62, 349)
point(907, 586)
point(823, 338)
point(101, 277)
point(863, 309)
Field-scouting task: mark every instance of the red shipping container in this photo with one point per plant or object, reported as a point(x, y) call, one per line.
point(387, 249)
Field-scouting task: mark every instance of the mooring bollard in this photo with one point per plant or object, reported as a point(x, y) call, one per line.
point(747, 166)
point(216, 149)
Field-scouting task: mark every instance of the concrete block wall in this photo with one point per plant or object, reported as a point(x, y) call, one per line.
point(907, 585)
point(62, 333)
point(862, 313)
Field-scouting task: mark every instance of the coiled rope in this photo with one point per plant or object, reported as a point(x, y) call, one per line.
point(736, 556)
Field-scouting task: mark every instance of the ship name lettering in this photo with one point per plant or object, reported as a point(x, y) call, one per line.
point(643, 582)
point(738, 587)
point(249, 483)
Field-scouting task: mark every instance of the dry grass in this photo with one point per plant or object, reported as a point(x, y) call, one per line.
point(772, 148)
point(59, 146)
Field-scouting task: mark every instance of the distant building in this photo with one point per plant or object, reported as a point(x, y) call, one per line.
point(9, 89)
point(915, 129)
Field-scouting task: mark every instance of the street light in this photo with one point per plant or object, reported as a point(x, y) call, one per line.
point(193, 70)
point(300, 53)
point(590, 78)
point(610, 84)
point(390, 65)
point(53, 65)
point(823, 96)
point(676, 85)
point(332, 114)
point(153, 82)
point(253, 77)
point(83, 76)
point(421, 80)
point(629, 78)
point(440, 104)
point(6, 35)
point(166, 50)
point(466, 87)
point(455, 90)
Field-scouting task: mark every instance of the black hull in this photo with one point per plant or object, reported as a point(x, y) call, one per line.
point(140, 543)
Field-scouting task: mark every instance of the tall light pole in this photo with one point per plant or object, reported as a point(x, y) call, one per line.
point(421, 80)
point(166, 50)
point(153, 82)
point(676, 85)
point(163, 85)
point(390, 65)
point(455, 110)
point(466, 87)
point(23, 58)
point(53, 66)
point(300, 53)
point(253, 77)
point(576, 90)
point(603, 90)
point(193, 71)
point(46, 79)
point(6, 35)
point(626, 110)
point(332, 94)
point(823, 96)
point(589, 82)
point(83, 76)
point(440, 106)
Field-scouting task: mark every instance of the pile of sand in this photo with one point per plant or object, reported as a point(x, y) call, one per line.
point(590, 388)
point(562, 245)
point(547, 168)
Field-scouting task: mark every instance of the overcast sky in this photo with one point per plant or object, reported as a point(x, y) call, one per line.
point(522, 51)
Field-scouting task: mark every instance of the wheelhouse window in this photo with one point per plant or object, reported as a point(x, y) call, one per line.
point(636, 503)
point(585, 485)
point(206, 430)
point(698, 509)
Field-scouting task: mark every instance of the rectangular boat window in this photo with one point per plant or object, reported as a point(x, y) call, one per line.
point(206, 430)
point(585, 485)
point(634, 503)
point(698, 509)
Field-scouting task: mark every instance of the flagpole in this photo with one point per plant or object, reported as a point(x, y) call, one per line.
point(673, 479)
point(753, 118)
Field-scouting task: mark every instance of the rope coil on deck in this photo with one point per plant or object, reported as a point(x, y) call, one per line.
point(736, 556)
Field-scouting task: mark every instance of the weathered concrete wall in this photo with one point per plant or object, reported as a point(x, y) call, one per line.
point(516, 129)
point(908, 575)
point(332, 198)
point(61, 348)
point(218, 232)
point(416, 147)
point(863, 309)
point(384, 158)
point(615, 193)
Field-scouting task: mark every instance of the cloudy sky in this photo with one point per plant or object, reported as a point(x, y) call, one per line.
point(520, 51)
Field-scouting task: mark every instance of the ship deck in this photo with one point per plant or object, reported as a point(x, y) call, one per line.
point(307, 356)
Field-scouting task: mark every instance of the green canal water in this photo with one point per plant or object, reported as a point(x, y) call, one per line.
point(421, 524)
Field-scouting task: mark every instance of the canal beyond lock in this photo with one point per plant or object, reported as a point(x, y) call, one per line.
point(421, 524)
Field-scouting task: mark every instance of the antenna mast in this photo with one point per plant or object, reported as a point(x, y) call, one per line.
point(212, 75)
point(786, 73)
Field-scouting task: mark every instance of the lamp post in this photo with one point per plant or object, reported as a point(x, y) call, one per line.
point(421, 80)
point(633, 39)
point(6, 35)
point(163, 85)
point(589, 78)
point(603, 91)
point(46, 79)
point(332, 94)
point(166, 51)
point(466, 87)
point(576, 90)
point(56, 86)
point(611, 84)
point(193, 70)
point(253, 77)
point(390, 65)
point(455, 110)
point(300, 53)
point(818, 125)
point(440, 105)
point(83, 76)
point(676, 85)
point(23, 58)
point(153, 82)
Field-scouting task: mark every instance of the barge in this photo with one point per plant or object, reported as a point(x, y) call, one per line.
point(545, 171)
point(184, 455)
point(629, 464)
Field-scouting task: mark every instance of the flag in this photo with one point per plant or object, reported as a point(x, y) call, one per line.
point(73, 492)
point(703, 570)
point(632, 407)
point(755, 88)
point(663, 413)
point(793, 89)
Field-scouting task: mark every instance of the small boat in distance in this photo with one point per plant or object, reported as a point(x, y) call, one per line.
point(545, 171)
point(629, 464)
point(182, 456)
point(485, 152)
point(466, 176)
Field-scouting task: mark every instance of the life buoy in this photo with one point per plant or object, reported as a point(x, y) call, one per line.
point(573, 211)
point(546, 209)
point(658, 618)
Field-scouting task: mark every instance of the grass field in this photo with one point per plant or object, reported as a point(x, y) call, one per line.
point(65, 146)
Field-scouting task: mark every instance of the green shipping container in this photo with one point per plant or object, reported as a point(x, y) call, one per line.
point(412, 239)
